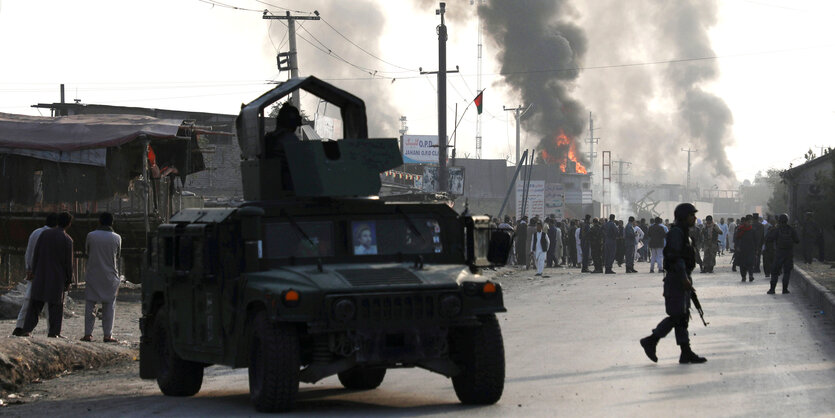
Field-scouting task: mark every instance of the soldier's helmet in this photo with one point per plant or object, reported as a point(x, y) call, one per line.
point(683, 210)
point(783, 218)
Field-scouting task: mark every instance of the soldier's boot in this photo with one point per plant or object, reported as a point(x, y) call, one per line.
point(750, 276)
point(771, 291)
point(742, 273)
point(785, 290)
point(688, 356)
point(649, 344)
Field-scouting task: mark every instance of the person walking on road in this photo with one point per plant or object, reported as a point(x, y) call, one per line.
point(679, 262)
point(630, 241)
point(657, 234)
point(103, 250)
point(783, 236)
point(51, 276)
point(539, 248)
point(51, 222)
point(585, 242)
point(710, 243)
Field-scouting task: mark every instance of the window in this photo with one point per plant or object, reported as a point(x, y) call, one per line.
point(309, 239)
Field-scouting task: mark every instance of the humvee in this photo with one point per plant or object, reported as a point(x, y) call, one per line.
point(324, 279)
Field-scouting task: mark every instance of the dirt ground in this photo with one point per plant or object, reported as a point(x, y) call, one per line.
point(823, 273)
point(39, 358)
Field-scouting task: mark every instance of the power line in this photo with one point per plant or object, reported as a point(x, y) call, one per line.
point(364, 50)
point(228, 6)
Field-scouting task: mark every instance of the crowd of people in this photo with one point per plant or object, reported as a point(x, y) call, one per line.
point(49, 272)
point(595, 245)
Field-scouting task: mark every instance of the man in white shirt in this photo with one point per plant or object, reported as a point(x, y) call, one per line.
point(102, 279)
point(51, 222)
point(539, 248)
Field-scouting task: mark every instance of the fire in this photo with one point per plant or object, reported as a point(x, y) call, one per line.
point(565, 151)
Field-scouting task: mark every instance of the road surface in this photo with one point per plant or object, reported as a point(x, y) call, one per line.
point(571, 343)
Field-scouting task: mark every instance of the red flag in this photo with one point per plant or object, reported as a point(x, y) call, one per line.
point(478, 101)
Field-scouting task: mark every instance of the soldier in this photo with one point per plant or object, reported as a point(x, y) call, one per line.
point(585, 240)
point(710, 241)
point(610, 234)
point(746, 252)
point(783, 237)
point(596, 245)
point(679, 261)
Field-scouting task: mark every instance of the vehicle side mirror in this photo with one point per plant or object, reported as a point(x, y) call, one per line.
point(486, 246)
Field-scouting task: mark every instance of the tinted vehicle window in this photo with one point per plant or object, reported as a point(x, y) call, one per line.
point(283, 240)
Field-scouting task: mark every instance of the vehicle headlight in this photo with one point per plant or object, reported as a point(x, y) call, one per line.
point(344, 310)
point(450, 306)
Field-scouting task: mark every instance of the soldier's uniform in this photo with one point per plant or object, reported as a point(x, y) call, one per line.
point(679, 262)
point(783, 237)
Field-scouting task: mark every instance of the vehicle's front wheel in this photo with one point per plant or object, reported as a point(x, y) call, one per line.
point(479, 351)
point(360, 378)
point(273, 365)
point(175, 376)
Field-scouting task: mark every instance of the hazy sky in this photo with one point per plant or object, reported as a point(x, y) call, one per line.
point(773, 73)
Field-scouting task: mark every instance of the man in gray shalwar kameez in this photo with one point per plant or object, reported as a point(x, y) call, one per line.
point(103, 249)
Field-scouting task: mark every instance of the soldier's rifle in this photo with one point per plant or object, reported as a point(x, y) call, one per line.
point(698, 306)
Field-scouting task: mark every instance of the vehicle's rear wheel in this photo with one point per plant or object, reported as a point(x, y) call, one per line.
point(361, 378)
point(175, 376)
point(273, 365)
point(479, 351)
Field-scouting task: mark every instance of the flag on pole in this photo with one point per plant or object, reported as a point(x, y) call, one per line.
point(478, 101)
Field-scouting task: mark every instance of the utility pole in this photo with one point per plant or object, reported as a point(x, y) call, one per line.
point(291, 58)
point(591, 140)
point(620, 169)
point(478, 90)
point(688, 151)
point(518, 113)
point(443, 175)
point(403, 129)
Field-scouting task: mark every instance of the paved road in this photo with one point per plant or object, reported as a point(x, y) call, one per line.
point(572, 349)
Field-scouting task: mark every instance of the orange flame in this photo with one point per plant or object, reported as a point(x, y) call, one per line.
point(563, 142)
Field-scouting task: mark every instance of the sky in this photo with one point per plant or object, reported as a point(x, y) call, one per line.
point(747, 84)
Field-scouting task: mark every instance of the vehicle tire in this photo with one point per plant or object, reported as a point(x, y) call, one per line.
point(273, 365)
point(479, 352)
point(175, 376)
point(361, 378)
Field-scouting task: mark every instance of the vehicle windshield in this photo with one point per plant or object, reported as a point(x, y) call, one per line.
point(354, 237)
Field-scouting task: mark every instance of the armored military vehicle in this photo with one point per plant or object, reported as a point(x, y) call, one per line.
point(316, 276)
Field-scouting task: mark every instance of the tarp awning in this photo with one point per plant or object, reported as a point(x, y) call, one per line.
point(79, 132)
